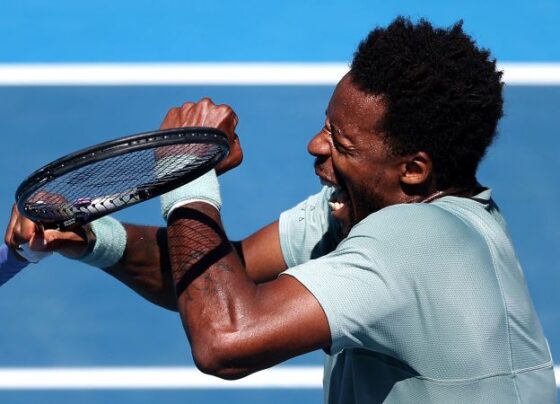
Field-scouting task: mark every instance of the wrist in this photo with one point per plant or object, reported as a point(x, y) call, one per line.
point(204, 189)
point(80, 249)
point(106, 243)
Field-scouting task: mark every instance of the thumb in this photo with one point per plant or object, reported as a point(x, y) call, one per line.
point(37, 241)
point(71, 243)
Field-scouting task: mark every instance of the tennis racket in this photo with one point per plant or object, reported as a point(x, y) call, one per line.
point(96, 181)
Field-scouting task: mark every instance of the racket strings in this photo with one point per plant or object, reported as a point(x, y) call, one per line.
point(112, 183)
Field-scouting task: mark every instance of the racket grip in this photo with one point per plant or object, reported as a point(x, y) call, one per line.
point(30, 255)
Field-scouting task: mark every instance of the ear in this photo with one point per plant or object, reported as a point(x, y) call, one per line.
point(416, 169)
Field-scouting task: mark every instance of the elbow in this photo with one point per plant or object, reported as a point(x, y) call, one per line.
point(220, 356)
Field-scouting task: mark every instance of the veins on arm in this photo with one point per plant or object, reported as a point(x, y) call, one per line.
point(145, 266)
point(234, 325)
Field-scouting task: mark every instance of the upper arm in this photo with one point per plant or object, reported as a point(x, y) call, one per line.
point(236, 326)
point(284, 320)
point(303, 232)
point(262, 254)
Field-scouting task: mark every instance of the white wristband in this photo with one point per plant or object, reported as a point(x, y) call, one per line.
point(204, 189)
point(110, 243)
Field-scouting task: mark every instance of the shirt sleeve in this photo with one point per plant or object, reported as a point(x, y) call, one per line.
point(392, 276)
point(307, 230)
point(353, 289)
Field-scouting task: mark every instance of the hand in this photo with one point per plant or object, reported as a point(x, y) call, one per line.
point(206, 113)
point(72, 243)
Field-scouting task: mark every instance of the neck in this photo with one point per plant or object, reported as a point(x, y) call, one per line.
point(466, 192)
point(431, 193)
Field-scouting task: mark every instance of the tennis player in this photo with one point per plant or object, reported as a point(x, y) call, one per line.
point(400, 268)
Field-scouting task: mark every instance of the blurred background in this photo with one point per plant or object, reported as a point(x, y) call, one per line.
point(74, 73)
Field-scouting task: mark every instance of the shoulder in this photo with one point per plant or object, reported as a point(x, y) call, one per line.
point(417, 231)
point(408, 219)
point(316, 203)
point(307, 230)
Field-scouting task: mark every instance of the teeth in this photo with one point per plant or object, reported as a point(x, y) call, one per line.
point(336, 205)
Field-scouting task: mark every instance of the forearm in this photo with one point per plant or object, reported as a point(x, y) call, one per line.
point(235, 325)
point(214, 292)
point(144, 266)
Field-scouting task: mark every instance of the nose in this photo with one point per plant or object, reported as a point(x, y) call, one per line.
point(319, 145)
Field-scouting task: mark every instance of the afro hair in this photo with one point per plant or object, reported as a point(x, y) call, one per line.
point(443, 94)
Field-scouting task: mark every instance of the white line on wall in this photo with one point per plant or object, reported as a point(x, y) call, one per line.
point(108, 378)
point(136, 74)
point(286, 377)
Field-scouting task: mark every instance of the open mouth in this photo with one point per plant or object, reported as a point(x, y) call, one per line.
point(339, 202)
point(338, 199)
point(340, 205)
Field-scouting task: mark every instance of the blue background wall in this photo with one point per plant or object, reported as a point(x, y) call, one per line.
point(253, 30)
point(61, 313)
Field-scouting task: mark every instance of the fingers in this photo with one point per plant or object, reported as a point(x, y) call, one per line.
point(20, 230)
point(185, 110)
point(206, 113)
point(202, 113)
point(234, 158)
point(173, 116)
point(11, 224)
point(38, 242)
point(72, 244)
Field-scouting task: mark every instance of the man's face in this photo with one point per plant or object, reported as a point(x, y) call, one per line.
point(352, 156)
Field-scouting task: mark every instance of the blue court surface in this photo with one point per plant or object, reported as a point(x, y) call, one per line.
point(64, 315)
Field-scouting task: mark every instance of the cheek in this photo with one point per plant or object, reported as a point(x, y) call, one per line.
point(344, 167)
point(367, 194)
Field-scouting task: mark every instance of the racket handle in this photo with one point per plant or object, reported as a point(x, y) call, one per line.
point(30, 255)
point(10, 264)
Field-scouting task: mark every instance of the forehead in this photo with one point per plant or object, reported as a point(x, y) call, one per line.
point(354, 109)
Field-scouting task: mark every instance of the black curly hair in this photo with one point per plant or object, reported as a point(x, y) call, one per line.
point(443, 94)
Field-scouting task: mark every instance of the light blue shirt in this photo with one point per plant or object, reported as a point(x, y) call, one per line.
point(426, 303)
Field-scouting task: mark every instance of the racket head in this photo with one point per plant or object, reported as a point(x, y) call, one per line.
point(93, 182)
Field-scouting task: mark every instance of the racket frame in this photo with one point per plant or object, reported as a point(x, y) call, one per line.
point(113, 148)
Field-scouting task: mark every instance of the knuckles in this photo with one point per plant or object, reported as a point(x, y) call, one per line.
point(207, 113)
point(20, 229)
point(202, 113)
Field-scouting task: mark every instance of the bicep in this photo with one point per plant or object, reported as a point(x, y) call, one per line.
point(262, 254)
point(284, 320)
point(307, 232)
point(299, 317)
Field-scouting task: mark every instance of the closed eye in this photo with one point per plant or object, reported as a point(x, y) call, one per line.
point(334, 134)
point(337, 145)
